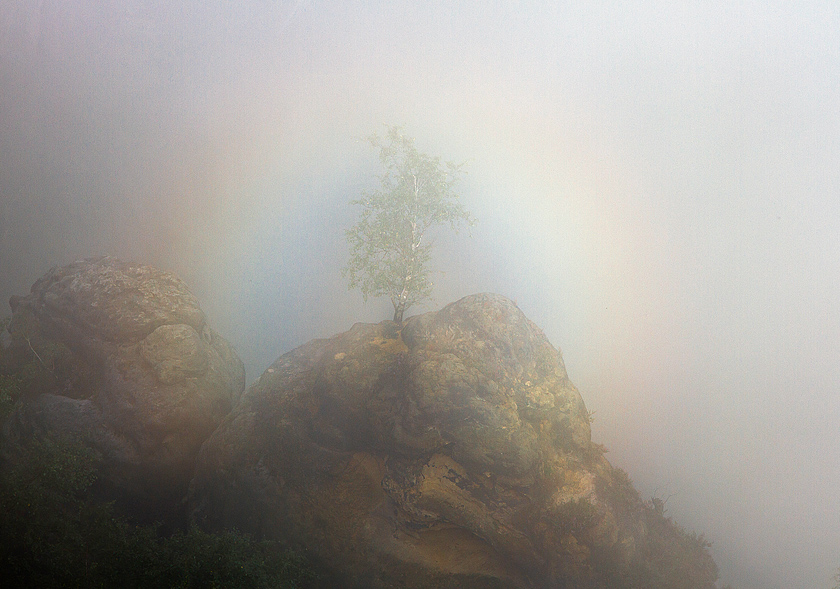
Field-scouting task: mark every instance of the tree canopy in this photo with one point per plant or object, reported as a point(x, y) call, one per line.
point(390, 249)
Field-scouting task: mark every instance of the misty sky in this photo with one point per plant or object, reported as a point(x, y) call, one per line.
point(657, 185)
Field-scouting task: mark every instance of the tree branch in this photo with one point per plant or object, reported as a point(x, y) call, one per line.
point(41, 360)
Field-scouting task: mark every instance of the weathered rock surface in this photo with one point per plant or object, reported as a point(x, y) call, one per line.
point(453, 452)
point(127, 364)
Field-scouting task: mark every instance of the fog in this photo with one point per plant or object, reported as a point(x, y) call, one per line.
point(657, 185)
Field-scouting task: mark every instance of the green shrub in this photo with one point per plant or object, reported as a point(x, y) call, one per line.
point(671, 557)
point(53, 535)
point(575, 516)
point(666, 556)
point(11, 388)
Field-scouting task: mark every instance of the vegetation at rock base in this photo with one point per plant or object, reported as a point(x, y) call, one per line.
point(11, 384)
point(10, 390)
point(574, 517)
point(390, 248)
point(669, 557)
point(53, 535)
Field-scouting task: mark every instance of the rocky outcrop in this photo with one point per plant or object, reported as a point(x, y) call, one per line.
point(452, 451)
point(120, 356)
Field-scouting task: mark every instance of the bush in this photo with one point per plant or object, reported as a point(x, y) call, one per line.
point(53, 535)
point(673, 558)
point(574, 517)
point(11, 388)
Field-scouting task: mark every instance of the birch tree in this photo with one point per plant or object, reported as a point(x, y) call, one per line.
point(390, 245)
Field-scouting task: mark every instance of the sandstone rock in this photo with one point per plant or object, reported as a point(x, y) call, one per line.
point(453, 452)
point(114, 300)
point(129, 365)
point(175, 353)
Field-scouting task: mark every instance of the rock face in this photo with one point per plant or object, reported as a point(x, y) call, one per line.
point(453, 452)
point(128, 365)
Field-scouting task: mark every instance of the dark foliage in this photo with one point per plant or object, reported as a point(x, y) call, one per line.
point(669, 557)
point(52, 535)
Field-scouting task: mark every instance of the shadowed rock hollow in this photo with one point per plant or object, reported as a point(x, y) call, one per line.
point(124, 361)
point(453, 452)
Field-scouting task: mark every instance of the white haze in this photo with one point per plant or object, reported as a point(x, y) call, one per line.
point(657, 185)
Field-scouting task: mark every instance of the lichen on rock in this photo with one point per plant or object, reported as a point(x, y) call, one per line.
point(125, 362)
point(175, 353)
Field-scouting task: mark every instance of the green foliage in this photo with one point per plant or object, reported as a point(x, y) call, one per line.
point(676, 559)
point(232, 560)
point(621, 493)
point(42, 507)
point(11, 388)
point(53, 535)
point(665, 556)
point(389, 246)
point(575, 516)
point(668, 558)
point(594, 451)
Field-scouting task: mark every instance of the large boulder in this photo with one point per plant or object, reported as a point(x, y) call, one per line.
point(451, 451)
point(119, 356)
